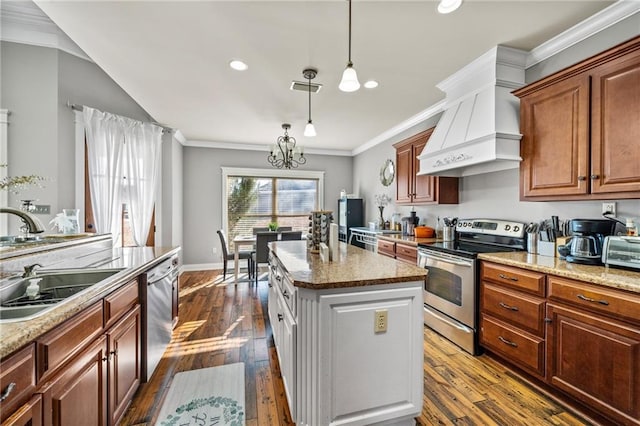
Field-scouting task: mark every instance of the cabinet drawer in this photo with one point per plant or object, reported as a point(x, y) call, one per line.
point(63, 342)
point(289, 294)
point(407, 253)
point(119, 302)
point(515, 345)
point(17, 380)
point(516, 308)
point(615, 303)
point(29, 414)
point(529, 281)
point(387, 248)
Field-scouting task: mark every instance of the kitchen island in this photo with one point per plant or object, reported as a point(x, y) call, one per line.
point(348, 334)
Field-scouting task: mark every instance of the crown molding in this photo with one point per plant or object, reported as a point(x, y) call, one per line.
point(258, 147)
point(423, 115)
point(23, 22)
point(602, 20)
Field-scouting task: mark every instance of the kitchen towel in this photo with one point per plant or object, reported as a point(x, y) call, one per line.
point(211, 396)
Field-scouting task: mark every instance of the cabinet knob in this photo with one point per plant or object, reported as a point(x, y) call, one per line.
point(594, 177)
point(582, 178)
point(285, 294)
point(280, 317)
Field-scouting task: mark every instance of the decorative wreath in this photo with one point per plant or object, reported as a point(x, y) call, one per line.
point(232, 412)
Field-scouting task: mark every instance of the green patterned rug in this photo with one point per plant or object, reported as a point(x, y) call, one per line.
point(208, 396)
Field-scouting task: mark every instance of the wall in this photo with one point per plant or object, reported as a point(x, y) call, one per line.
point(496, 195)
point(203, 194)
point(36, 83)
point(171, 212)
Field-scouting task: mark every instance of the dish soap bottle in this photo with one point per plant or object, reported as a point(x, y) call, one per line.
point(438, 229)
point(33, 289)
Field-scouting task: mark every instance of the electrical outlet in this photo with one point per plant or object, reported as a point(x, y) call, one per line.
point(609, 208)
point(380, 323)
point(42, 209)
point(214, 250)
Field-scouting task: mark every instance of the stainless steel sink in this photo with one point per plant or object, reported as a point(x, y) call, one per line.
point(54, 287)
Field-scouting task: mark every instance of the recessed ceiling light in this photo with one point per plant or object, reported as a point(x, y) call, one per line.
point(371, 84)
point(238, 65)
point(448, 6)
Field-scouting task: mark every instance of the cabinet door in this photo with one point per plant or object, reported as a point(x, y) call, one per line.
point(596, 361)
point(404, 168)
point(175, 300)
point(555, 142)
point(424, 188)
point(78, 395)
point(272, 302)
point(615, 126)
point(124, 367)
point(288, 359)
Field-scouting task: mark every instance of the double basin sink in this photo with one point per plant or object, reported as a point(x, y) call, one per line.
point(54, 287)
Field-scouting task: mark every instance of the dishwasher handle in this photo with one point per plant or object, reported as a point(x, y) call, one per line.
point(169, 269)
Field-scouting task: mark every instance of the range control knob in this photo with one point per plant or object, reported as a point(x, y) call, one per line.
point(516, 228)
point(507, 227)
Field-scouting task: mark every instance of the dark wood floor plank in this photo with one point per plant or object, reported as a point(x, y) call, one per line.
point(221, 324)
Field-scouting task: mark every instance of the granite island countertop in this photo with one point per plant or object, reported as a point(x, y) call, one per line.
point(354, 267)
point(617, 278)
point(133, 260)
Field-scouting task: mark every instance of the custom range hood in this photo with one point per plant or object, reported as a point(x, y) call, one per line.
point(479, 128)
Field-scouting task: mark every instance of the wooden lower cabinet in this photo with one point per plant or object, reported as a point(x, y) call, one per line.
point(17, 380)
point(397, 250)
point(596, 361)
point(387, 248)
point(30, 414)
point(124, 363)
point(578, 338)
point(78, 394)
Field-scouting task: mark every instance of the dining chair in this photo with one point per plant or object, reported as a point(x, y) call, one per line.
point(226, 256)
point(291, 235)
point(261, 253)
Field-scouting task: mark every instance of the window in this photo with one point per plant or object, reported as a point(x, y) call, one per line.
point(255, 197)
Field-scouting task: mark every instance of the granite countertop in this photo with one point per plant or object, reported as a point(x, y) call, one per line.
point(408, 239)
point(621, 279)
point(134, 260)
point(49, 242)
point(354, 267)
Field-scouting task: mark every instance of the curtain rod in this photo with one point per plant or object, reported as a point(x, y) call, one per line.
point(80, 108)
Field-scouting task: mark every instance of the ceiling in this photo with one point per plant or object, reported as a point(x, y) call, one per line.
point(172, 58)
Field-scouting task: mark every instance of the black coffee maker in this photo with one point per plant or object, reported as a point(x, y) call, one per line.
point(585, 243)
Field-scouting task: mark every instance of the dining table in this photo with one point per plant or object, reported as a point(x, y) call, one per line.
point(239, 241)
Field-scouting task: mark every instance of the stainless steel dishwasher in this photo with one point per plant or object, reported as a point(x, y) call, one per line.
point(159, 316)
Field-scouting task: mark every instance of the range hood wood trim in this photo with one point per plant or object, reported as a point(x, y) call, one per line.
point(585, 65)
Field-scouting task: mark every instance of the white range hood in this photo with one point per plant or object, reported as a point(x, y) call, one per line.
point(479, 130)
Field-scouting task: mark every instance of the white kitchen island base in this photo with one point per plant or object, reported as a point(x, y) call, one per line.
point(337, 369)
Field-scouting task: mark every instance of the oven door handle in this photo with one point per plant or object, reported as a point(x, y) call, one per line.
point(446, 259)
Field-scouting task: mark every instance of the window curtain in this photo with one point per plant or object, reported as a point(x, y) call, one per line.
point(124, 162)
point(142, 151)
point(105, 137)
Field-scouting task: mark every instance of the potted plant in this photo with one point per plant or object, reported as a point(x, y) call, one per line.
point(273, 226)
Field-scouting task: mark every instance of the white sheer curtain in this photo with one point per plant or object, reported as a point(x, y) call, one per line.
point(142, 151)
point(124, 162)
point(105, 136)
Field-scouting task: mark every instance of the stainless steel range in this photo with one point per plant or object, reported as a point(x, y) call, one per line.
point(451, 289)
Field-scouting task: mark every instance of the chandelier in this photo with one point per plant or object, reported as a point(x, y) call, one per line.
point(285, 153)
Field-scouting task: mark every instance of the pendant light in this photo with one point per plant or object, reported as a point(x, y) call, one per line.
point(310, 74)
point(349, 82)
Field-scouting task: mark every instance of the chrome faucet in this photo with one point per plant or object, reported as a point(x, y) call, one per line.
point(34, 225)
point(30, 270)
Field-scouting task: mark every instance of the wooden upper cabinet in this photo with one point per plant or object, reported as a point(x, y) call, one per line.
point(412, 188)
point(615, 127)
point(581, 129)
point(555, 141)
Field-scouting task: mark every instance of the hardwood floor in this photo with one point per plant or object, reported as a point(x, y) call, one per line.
point(222, 324)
